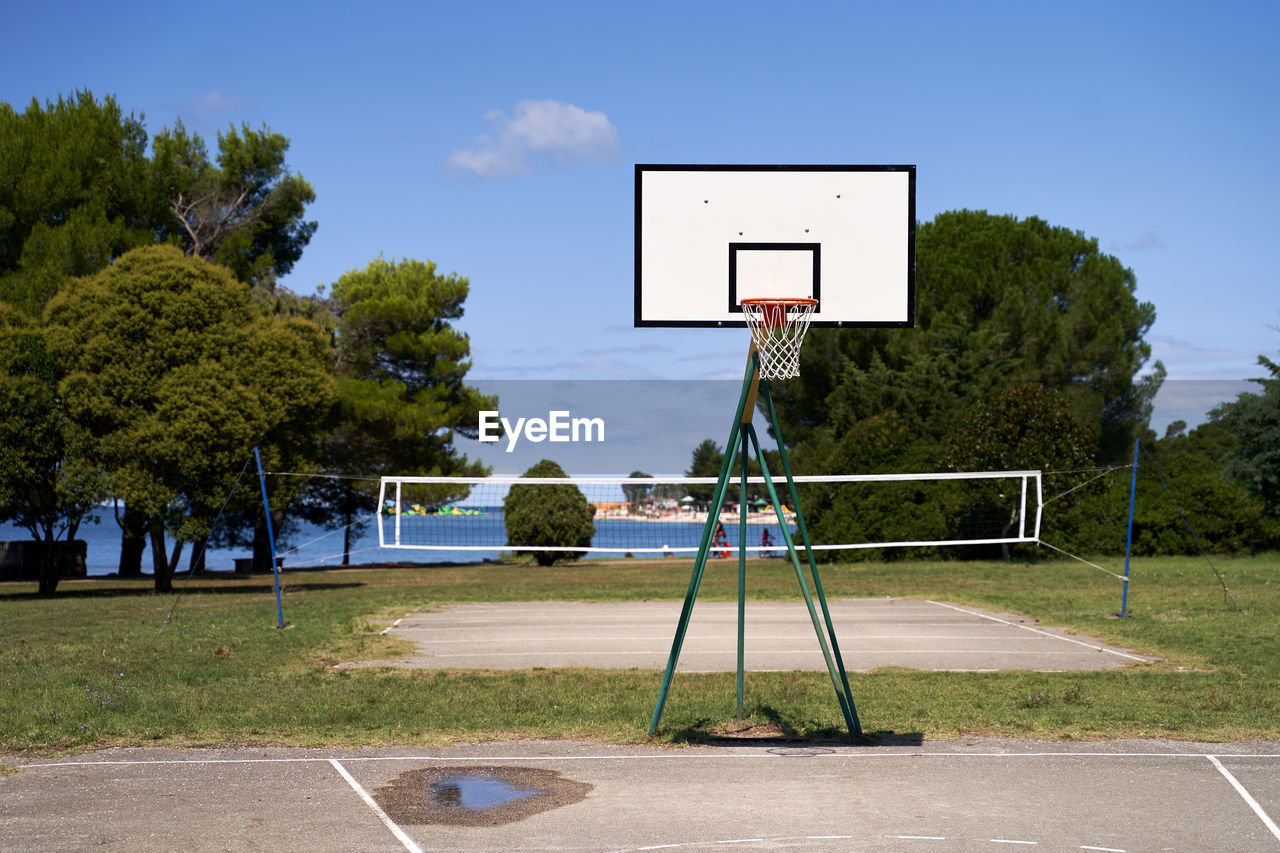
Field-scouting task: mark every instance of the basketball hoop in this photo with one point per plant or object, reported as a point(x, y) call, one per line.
point(777, 328)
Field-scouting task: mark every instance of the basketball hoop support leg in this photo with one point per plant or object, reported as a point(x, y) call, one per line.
point(700, 563)
point(740, 434)
point(852, 712)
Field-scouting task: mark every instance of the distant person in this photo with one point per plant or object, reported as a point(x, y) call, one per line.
point(720, 540)
point(765, 541)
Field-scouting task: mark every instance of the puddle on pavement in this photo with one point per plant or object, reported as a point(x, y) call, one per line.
point(476, 796)
point(473, 792)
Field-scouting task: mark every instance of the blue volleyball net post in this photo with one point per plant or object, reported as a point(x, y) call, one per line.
point(271, 540)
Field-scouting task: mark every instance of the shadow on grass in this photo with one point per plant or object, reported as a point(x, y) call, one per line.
point(67, 592)
point(777, 731)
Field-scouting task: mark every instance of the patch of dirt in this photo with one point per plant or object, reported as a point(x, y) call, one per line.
point(428, 796)
point(745, 730)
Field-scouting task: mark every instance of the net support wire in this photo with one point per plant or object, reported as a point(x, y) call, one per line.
point(1065, 553)
point(1226, 591)
point(195, 557)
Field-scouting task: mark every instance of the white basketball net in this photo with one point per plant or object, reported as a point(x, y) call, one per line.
point(777, 327)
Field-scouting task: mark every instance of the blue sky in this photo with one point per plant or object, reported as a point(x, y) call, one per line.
point(498, 139)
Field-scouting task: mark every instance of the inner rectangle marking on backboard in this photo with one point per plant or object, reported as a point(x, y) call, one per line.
point(774, 271)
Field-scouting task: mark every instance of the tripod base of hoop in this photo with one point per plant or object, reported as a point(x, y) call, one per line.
point(777, 328)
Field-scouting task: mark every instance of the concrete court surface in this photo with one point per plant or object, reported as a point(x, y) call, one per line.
point(977, 795)
point(779, 636)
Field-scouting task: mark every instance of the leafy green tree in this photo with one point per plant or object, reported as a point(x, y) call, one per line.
point(1025, 427)
point(74, 195)
point(705, 462)
point(999, 301)
point(82, 190)
point(48, 480)
point(1228, 517)
point(637, 493)
point(245, 211)
point(1180, 482)
point(176, 374)
point(1254, 421)
point(402, 398)
point(556, 515)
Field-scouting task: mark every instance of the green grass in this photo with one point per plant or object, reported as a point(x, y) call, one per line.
point(91, 666)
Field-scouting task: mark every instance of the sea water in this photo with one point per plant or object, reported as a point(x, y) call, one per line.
point(305, 545)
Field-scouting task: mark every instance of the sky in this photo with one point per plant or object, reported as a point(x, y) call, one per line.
point(498, 140)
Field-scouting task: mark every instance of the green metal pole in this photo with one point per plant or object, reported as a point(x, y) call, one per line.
point(804, 586)
point(695, 580)
point(813, 566)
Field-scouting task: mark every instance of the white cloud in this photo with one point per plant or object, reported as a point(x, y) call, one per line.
point(1176, 348)
point(213, 102)
point(1146, 241)
point(553, 132)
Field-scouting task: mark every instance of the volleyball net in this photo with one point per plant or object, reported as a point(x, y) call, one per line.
point(666, 515)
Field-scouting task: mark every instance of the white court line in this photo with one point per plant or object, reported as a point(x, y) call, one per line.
point(663, 638)
point(382, 816)
point(1038, 631)
point(674, 756)
point(387, 629)
point(1103, 849)
point(1248, 798)
point(805, 652)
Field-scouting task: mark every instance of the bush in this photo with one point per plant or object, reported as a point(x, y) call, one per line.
point(553, 515)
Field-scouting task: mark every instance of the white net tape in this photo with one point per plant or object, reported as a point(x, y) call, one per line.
point(777, 327)
point(465, 518)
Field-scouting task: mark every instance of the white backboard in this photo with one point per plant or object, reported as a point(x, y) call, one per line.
point(707, 236)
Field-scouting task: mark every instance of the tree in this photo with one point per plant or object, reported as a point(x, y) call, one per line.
point(246, 211)
point(637, 493)
point(81, 190)
point(177, 375)
point(557, 515)
point(1254, 421)
point(1025, 427)
point(1227, 515)
point(705, 462)
point(402, 400)
point(48, 481)
point(75, 194)
point(999, 301)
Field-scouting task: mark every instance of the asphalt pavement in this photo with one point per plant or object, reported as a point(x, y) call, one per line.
point(979, 795)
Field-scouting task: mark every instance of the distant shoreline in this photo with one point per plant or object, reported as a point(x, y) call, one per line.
point(767, 517)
